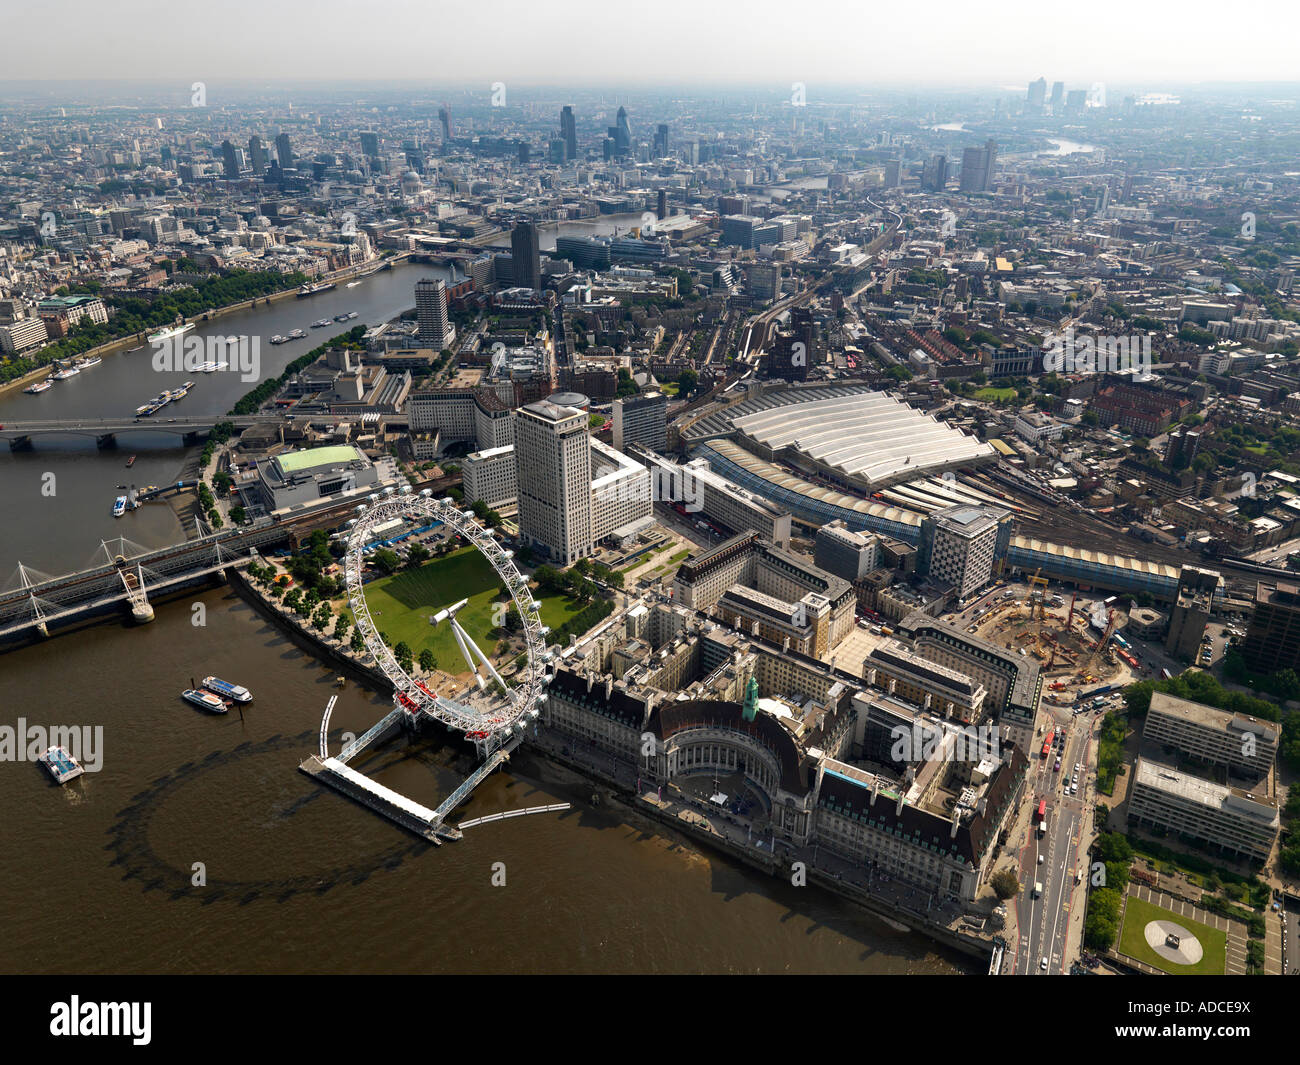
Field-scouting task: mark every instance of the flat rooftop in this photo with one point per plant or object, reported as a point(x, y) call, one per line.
point(313, 458)
point(1199, 791)
point(1212, 718)
point(491, 453)
point(966, 519)
point(743, 598)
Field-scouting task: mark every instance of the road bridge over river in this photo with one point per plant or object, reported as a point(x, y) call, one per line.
point(22, 436)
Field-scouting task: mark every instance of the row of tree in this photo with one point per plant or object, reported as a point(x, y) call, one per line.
point(131, 314)
point(252, 401)
point(309, 603)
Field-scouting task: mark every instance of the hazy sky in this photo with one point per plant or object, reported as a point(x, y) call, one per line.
point(935, 42)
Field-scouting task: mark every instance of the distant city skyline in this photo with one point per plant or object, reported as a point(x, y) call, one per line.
point(821, 41)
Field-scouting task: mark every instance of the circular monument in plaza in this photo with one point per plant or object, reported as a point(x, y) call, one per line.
point(1173, 942)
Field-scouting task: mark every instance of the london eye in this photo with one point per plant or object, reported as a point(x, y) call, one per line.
point(489, 711)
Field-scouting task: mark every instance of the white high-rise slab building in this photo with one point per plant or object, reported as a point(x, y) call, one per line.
point(620, 492)
point(553, 477)
point(641, 420)
point(962, 546)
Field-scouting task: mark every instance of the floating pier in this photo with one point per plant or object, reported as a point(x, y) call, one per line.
point(393, 805)
point(411, 815)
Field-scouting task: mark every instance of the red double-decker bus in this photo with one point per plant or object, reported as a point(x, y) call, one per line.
point(1041, 813)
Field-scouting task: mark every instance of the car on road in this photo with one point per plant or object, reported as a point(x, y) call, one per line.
point(1043, 964)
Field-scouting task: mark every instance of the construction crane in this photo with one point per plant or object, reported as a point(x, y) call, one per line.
point(1111, 621)
point(1038, 598)
point(1069, 618)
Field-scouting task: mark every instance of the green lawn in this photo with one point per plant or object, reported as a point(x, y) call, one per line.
point(1132, 941)
point(556, 610)
point(402, 604)
point(1161, 865)
point(992, 394)
point(664, 568)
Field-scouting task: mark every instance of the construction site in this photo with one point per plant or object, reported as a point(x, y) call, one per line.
point(1076, 640)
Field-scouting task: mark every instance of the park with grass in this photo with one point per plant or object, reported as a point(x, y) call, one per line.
point(402, 604)
point(1133, 940)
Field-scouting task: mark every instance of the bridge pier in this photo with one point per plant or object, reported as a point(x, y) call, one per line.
point(107, 442)
point(141, 608)
point(21, 443)
point(190, 439)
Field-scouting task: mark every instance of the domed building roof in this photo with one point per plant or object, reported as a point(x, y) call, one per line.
point(569, 399)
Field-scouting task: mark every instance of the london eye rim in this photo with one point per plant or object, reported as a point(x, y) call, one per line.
point(507, 715)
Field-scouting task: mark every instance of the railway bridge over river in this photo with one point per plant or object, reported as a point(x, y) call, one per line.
point(123, 573)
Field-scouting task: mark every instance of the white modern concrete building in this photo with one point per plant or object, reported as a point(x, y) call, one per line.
point(1032, 427)
point(641, 420)
point(435, 327)
point(489, 475)
point(304, 476)
point(23, 334)
point(1237, 822)
point(1242, 744)
point(959, 545)
point(448, 415)
point(620, 491)
point(701, 491)
point(847, 554)
point(553, 473)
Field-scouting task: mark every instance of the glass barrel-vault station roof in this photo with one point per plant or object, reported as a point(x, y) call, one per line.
point(869, 438)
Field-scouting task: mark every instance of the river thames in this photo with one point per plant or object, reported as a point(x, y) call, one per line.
point(102, 873)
